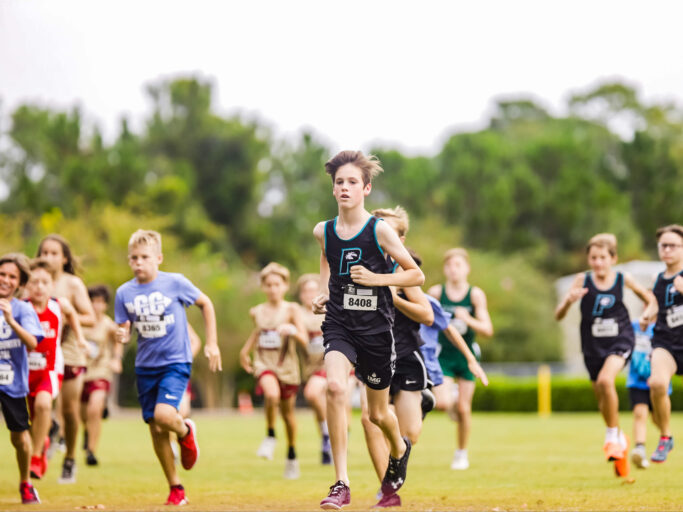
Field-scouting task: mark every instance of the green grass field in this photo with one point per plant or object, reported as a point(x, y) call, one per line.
point(518, 462)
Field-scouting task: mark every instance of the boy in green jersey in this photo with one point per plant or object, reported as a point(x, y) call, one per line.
point(470, 316)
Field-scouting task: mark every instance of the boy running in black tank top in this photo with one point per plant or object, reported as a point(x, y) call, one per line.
point(410, 377)
point(607, 338)
point(667, 341)
point(359, 314)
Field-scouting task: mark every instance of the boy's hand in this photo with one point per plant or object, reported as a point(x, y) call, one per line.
point(678, 283)
point(362, 276)
point(478, 372)
point(6, 308)
point(123, 332)
point(287, 330)
point(319, 304)
point(245, 362)
point(461, 313)
point(213, 354)
point(576, 293)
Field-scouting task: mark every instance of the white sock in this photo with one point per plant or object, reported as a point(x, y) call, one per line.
point(461, 453)
point(622, 439)
point(612, 435)
point(323, 428)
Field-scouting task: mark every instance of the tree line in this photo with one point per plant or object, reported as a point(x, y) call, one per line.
point(525, 193)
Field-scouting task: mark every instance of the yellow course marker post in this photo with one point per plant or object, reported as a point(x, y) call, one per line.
point(544, 390)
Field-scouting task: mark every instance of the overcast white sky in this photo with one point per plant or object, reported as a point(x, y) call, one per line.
point(355, 72)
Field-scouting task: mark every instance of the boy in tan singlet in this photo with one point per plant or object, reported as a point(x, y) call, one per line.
point(313, 365)
point(278, 327)
point(104, 358)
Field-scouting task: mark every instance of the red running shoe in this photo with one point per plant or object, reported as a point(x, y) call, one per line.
point(43, 457)
point(392, 500)
point(189, 449)
point(36, 467)
point(177, 496)
point(28, 493)
point(339, 495)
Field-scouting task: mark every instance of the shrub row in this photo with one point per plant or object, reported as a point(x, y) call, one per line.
point(520, 394)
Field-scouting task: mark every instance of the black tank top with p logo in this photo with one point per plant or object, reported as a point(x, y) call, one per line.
point(360, 309)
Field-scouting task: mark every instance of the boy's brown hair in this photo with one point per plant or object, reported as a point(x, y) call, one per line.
point(456, 252)
point(277, 269)
point(369, 165)
point(145, 237)
point(671, 228)
point(303, 279)
point(41, 263)
point(99, 290)
point(22, 263)
point(605, 241)
point(399, 215)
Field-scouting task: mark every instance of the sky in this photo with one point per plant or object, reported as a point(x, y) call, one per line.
point(355, 73)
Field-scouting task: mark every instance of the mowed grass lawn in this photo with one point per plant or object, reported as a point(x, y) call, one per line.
point(518, 462)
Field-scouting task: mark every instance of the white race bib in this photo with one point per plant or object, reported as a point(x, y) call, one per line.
point(93, 349)
point(674, 316)
point(643, 344)
point(151, 329)
point(459, 325)
point(36, 361)
point(269, 339)
point(6, 375)
point(315, 345)
point(605, 328)
point(360, 299)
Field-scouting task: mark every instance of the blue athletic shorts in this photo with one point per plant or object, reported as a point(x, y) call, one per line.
point(431, 359)
point(163, 385)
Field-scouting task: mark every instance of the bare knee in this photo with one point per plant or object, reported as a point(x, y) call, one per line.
point(377, 417)
point(21, 441)
point(413, 434)
point(365, 420)
point(463, 409)
point(604, 384)
point(336, 390)
point(272, 399)
point(312, 395)
point(41, 408)
point(658, 386)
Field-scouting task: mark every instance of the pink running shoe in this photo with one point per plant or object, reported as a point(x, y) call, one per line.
point(36, 467)
point(189, 449)
point(177, 496)
point(392, 500)
point(28, 493)
point(339, 496)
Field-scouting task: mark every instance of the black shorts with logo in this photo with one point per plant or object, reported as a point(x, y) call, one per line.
point(373, 356)
point(595, 359)
point(15, 411)
point(410, 374)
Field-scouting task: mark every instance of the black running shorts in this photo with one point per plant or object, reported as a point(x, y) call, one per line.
point(15, 411)
point(373, 355)
point(410, 374)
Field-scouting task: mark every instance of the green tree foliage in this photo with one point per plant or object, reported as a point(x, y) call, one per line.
point(525, 194)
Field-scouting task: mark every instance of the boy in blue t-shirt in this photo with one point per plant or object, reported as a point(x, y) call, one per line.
point(19, 330)
point(154, 303)
point(430, 350)
point(639, 391)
